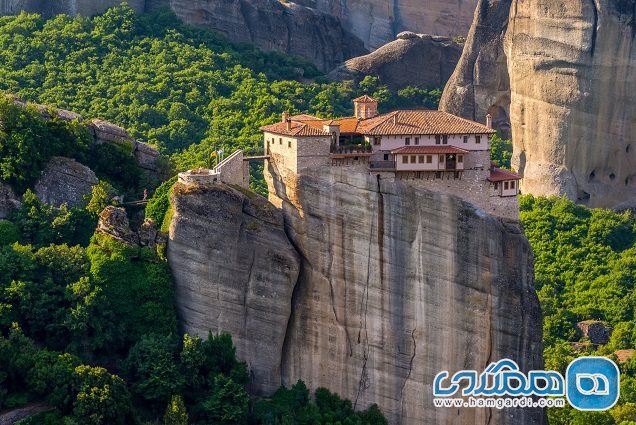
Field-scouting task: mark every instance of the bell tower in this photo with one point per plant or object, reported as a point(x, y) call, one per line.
point(365, 107)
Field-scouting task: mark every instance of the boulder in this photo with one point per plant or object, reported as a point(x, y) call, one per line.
point(113, 221)
point(65, 181)
point(411, 60)
point(8, 201)
point(146, 156)
point(596, 331)
point(107, 132)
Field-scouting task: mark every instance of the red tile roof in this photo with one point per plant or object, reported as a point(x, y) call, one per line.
point(499, 175)
point(422, 122)
point(365, 99)
point(303, 117)
point(295, 129)
point(427, 149)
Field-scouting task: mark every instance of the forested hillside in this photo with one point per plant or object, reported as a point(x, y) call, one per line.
point(187, 91)
point(585, 269)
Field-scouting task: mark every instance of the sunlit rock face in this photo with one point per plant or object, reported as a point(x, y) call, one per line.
point(397, 283)
point(49, 8)
point(364, 286)
point(377, 22)
point(572, 68)
point(560, 77)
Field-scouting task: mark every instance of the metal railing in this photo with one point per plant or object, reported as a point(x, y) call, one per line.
point(351, 149)
point(382, 165)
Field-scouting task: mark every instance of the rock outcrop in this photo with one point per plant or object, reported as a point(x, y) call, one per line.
point(377, 22)
point(65, 181)
point(572, 69)
point(564, 73)
point(235, 271)
point(113, 221)
point(392, 284)
point(8, 200)
point(411, 60)
point(480, 84)
point(596, 331)
point(275, 25)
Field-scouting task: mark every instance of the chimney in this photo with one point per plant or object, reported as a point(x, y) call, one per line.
point(395, 119)
point(285, 116)
point(489, 121)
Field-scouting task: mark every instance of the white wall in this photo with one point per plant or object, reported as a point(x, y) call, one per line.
point(393, 142)
point(435, 165)
point(511, 191)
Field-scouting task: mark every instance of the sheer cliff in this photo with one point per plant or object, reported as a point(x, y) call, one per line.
point(366, 287)
point(563, 75)
point(377, 22)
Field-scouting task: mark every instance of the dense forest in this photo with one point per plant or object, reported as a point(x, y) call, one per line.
point(585, 269)
point(87, 322)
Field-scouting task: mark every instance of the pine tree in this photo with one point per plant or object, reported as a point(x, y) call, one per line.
point(176, 413)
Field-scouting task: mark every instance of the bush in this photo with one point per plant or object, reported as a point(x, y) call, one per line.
point(9, 232)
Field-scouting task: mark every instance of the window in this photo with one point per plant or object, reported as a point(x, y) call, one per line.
point(417, 140)
point(386, 156)
point(465, 139)
point(413, 159)
point(420, 159)
point(405, 159)
point(429, 159)
point(407, 141)
point(478, 139)
point(496, 185)
point(280, 141)
point(437, 139)
point(441, 159)
point(445, 139)
point(289, 144)
point(460, 158)
point(505, 185)
point(377, 140)
point(512, 185)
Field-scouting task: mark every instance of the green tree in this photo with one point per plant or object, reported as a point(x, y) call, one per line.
point(227, 403)
point(176, 413)
point(102, 398)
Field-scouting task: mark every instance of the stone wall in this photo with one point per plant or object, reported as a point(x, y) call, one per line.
point(233, 170)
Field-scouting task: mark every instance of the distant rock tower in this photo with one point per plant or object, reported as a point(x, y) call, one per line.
point(365, 107)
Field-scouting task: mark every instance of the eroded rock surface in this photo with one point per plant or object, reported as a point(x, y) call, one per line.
point(563, 74)
point(411, 60)
point(274, 25)
point(8, 200)
point(65, 181)
point(392, 285)
point(377, 22)
point(572, 69)
point(234, 271)
point(480, 84)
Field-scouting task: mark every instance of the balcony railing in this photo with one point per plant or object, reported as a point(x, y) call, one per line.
point(386, 165)
point(351, 149)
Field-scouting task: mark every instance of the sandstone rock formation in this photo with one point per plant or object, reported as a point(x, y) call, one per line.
point(377, 22)
point(572, 69)
point(480, 84)
point(392, 285)
point(411, 60)
point(275, 25)
point(235, 271)
point(65, 181)
point(597, 331)
point(564, 73)
point(113, 221)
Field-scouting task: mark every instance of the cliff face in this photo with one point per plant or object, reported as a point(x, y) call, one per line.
point(562, 74)
point(480, 84)
point(235, 272)
point(412, 60)
point(572, 72)
point(392, 284)
point(377, 22)
point(274, 25)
